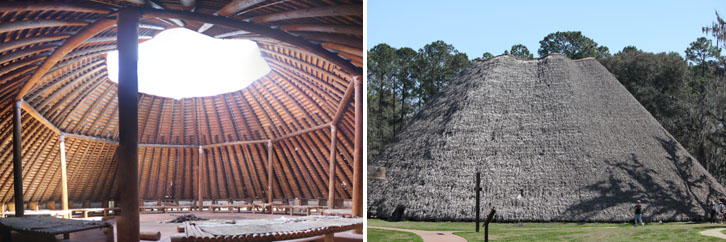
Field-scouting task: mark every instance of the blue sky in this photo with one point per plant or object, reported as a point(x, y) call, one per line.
point(475, 27)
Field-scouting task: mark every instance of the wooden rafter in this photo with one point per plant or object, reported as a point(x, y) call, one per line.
point(338, 10)
point(68, 46)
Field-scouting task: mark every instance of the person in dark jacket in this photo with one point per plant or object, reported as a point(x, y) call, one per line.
point(713, 211)
point(638, 214)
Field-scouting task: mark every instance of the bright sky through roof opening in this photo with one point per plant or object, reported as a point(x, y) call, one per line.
point(182, 63)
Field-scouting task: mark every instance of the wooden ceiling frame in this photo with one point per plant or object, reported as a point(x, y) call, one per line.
point(301, 76)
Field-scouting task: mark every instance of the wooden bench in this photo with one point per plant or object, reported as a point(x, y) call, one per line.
point(265, 229)
point(45, 228)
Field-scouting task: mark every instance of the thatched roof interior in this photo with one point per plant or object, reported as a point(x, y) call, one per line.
point(313, 48)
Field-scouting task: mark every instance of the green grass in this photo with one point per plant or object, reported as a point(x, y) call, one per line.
point(392, 236)
point(565, 231)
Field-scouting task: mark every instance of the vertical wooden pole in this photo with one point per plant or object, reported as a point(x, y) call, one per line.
point(64, 175)
point(477, 189)
point(18, 160)
point(331, 170)
point(201, 167)
point(358, 149)
point(269, 174)
point(128, 90)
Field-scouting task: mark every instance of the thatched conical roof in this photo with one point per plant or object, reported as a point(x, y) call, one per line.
point(554, 139)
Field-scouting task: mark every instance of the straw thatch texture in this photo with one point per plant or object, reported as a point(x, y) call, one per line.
point(554, 139)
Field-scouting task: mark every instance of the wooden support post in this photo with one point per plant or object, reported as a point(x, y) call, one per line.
point(64, 175)
point(490, 217)
point(477, 189)
point(200, 206)
point(331, 173)
point(358, 151)
point(269, 174)
point(128, 90)
point(329, 237)
point(18, 160)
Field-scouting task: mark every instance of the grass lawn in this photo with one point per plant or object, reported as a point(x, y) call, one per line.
point(564, 231)
point(392, 236)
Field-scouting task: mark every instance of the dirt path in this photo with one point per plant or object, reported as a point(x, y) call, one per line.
point(429, 236)
point(714, 233)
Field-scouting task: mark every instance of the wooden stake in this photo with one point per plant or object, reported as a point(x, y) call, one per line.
point(18, 160)
point(489, 219)
point(358, 149)
point(64, 175)
point(128, 90)
point(331, 170)
point(477, 189)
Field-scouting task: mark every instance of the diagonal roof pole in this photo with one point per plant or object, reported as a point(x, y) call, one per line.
point(68, 46)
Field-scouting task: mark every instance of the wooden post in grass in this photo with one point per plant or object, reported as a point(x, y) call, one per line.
point(486, 224)
point(477, 189)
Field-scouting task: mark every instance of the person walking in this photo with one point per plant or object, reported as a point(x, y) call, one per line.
point(720, 211)
point(712, 211)
point(638, 214)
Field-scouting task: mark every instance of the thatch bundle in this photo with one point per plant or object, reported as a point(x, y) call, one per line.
point(554, 139)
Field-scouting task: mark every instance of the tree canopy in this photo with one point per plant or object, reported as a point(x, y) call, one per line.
point(520, 51)
point(571, 44)
point(401, 81)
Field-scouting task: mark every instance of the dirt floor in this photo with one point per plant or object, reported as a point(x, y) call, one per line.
point(156, 222)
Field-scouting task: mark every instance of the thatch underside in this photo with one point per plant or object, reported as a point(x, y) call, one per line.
point(554, 139)
point(52, 57)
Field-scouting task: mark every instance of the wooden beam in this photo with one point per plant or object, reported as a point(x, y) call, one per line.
point(338, 10)
point(335, 38)
point(200, 175)
point(343, 103)
point(52, 6)
point(90, 138)
point(37, 116)
point(165, 145)
point(112, 39)
point(262, 30)
point(325, 28)
point(230, 34)
point(32, 40)
point(237, 6)
point(304, 131)
point(128, 163)
point(64, 176)
point(358, 149)
point(269, 174)
point(39, 23)
point(230, 9)
point(331, 169)
point(353, 58)
point(243, 142)
point(18, 160)
point(343, 48)
point(68, 46)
